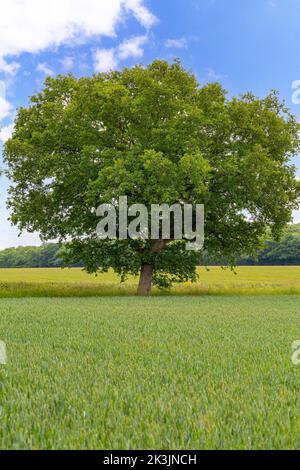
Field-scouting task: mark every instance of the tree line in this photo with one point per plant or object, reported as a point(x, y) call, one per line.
point(48, 255)
point(284, 252)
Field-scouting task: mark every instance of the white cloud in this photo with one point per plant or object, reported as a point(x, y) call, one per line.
point(105, 60)
point(67, 63)
point(35, 25)
point(5, 108)
point(131, 48)
point(142, 14)
point(180, 43)
point(108, 59)
point(2, 88)
point(5, 105)
point(6, 132)
point(212, 75)
point(10, 69)
point(44, 68)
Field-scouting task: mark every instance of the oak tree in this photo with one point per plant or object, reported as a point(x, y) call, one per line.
point(155, 135)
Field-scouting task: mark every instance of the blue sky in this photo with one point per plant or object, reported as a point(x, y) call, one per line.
point(245, 45)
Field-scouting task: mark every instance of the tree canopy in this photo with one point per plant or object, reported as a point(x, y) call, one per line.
point(155, 135)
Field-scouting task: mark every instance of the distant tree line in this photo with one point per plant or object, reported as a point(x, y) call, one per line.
point(46, 256)
point(284, 252)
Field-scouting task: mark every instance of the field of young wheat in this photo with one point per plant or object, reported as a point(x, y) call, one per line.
point(173, 372)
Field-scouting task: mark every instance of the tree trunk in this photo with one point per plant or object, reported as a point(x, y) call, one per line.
point(145, 283)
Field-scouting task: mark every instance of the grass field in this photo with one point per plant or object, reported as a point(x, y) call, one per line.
point(203, 372)
point(75, 282)
point(178, 371)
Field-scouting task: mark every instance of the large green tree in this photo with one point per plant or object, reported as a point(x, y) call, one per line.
point(153, 134)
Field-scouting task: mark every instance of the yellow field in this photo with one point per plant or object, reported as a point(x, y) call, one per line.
point(244, 275)
point(75, 282)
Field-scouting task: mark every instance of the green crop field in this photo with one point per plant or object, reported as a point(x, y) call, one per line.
point(251, 280)
point(168, 372)
point(175, 371)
